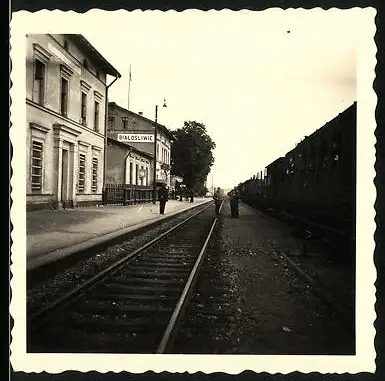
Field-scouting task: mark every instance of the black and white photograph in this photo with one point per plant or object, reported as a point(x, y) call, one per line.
point(193, 191)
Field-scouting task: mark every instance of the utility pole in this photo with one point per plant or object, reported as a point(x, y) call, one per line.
point(155, 151)
point(155, 158)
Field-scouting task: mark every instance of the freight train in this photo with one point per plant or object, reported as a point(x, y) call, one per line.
point(313, 186)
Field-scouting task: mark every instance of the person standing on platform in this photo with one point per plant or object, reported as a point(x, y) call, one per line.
point(163, 198)
point(234, 203)
point(191, 195)
point(218, 200)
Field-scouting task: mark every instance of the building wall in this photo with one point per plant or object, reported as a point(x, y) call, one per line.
point(93, 86)
point(63, 134)
point(137, 123)
point(118, 167)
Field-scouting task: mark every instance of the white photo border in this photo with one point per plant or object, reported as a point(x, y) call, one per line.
point(57, 21)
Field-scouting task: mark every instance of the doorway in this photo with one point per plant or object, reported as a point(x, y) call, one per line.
point(64, 176)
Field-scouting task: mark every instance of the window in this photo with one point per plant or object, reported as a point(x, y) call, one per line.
point(94, 184)
point(323, 156)
point(125, 122)
point(98, 73)
point(37, 166)
point(131, 174)
point(291, 166)
point(302, 161)
point(136, 174)
point(336, 150)
point(311, 159)
point(111, 122)
point(84, 109)
point(39, 82)
point(96, 119)
point(82, 172)
point(64, 97)
point(66, 45)
point(85, 64)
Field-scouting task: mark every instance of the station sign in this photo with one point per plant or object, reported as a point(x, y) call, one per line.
point(136, 138)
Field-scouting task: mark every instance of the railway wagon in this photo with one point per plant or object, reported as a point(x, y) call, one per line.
point(252, 191)
point(316, 180)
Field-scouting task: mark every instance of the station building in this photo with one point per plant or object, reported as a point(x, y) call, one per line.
point(121, 123)
point(127, 164)
point(66, 103)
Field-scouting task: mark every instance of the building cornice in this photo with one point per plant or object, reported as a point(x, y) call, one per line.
point(66, 71)
point(85, 86)
point(41, 52)
point(77, 62)
point(58, 128)
point(98, 96)
point(83, 143)
point(89, 50)
point(39, 127)
point(97, 148)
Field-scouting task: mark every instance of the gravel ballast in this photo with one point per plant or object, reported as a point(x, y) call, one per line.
point(248, 299)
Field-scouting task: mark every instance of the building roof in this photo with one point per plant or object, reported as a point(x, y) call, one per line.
point(127, 145)
point(94, 55)
point(161, 127)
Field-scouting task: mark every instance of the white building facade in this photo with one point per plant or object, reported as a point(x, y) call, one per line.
point(66, 103)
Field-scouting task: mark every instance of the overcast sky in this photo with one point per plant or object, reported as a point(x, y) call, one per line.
point(259, 81)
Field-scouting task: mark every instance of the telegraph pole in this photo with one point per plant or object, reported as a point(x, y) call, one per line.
point(155, 138)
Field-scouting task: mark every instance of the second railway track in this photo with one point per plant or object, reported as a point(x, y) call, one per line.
point(133, 306)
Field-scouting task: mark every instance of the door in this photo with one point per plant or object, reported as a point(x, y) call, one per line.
point(64, 176)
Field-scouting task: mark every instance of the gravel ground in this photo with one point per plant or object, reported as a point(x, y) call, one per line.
point(51, 289)
point(248, 300)
point(329, 272)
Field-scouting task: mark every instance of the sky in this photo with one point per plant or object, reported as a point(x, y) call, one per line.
point(259, 81)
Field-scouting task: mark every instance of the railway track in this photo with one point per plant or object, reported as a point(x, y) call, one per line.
point(317, 285)
point(134, 305)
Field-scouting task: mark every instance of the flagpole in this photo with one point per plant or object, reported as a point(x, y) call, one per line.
point(129, 89)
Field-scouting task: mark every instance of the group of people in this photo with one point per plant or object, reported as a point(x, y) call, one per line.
point(218, 198)
point(234, 201)
point(163, 197)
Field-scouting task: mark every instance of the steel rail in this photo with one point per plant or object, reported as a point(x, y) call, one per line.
point(70, 295)
point(185, 293)
point(316, 286)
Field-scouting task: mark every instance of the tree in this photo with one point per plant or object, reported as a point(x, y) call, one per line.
point(191, 155)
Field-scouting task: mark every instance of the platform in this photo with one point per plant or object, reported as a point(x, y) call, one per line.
point(54, 233)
